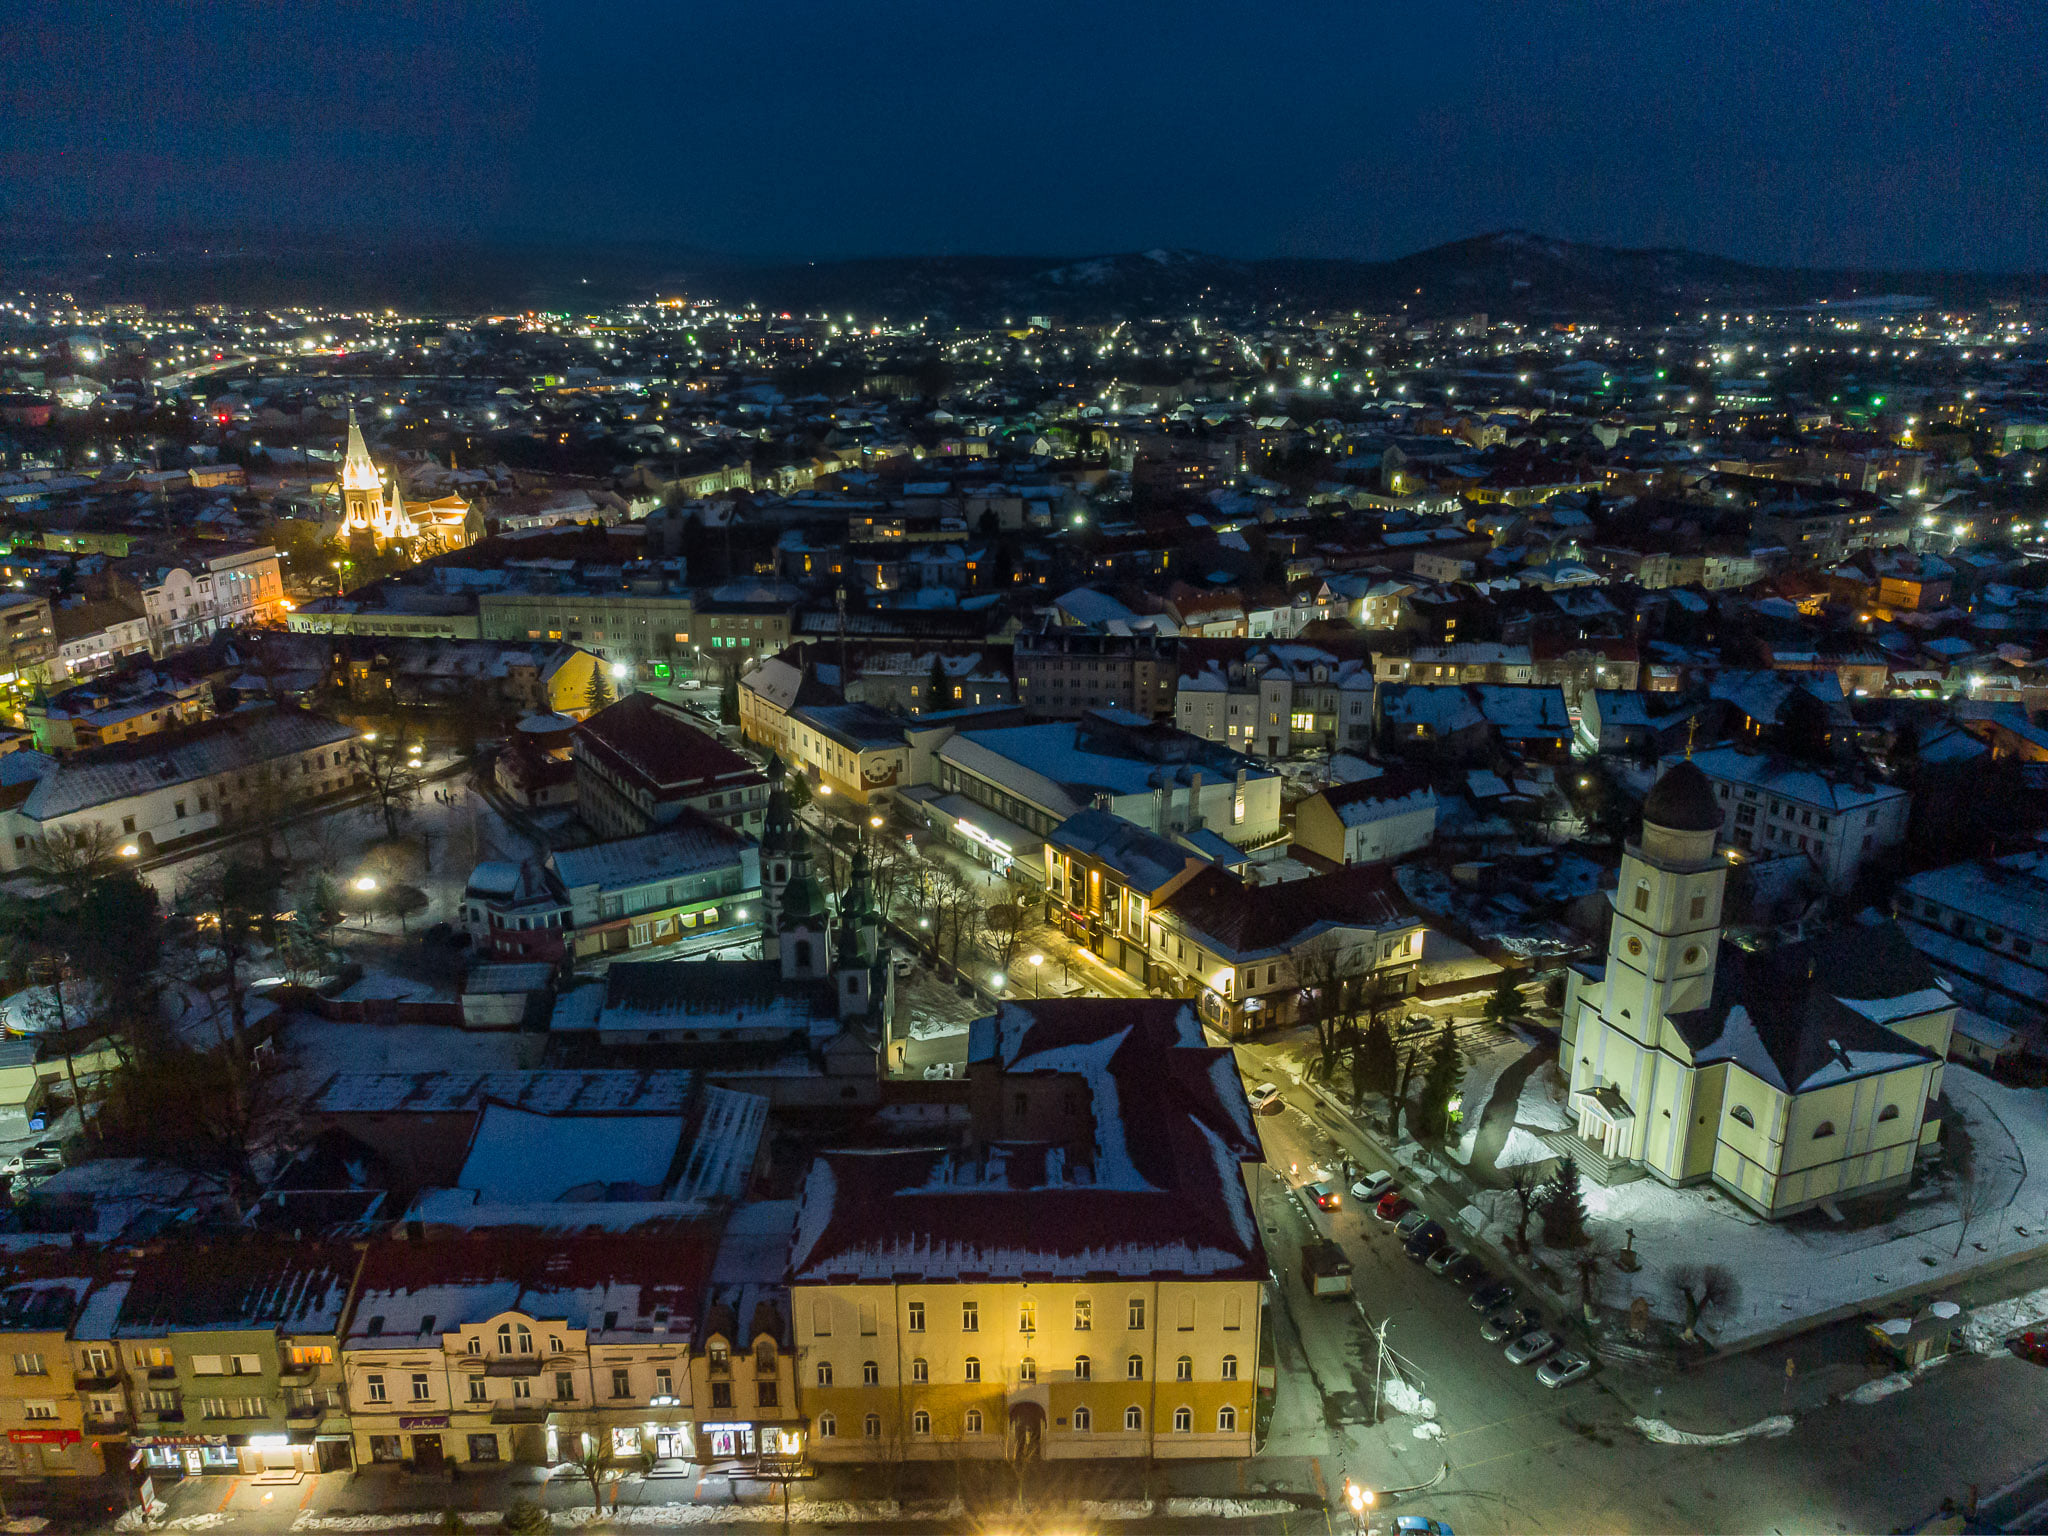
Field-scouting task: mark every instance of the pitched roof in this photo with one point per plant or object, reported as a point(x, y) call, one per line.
point(1160, 1193)
point(1244, 920)
point(647, 742)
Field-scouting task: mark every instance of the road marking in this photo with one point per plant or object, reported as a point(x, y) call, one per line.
point(233, 1484)
point(1540, 1445)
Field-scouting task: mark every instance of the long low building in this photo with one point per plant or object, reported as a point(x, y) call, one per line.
point(168, 790)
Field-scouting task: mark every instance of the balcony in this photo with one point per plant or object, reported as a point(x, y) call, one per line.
point(305, 1413)
point(95, 1381)
point(290, 1373)
point(163, 1373)
point(163, 1415)
point(107, 1423)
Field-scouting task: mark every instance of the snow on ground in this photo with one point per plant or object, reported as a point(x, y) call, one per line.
point(1482, 1075)
point(847, 1512)
point(1542, 1104)
point(1446, 959)
point(1405, 1399)
point(1812, 1265)
point(1764, 1429)
point(1987, 1328)
point(1521, 1149)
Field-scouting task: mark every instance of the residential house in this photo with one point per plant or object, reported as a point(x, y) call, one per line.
point(641, 764)
point(1366, 821)
point(1773, 805)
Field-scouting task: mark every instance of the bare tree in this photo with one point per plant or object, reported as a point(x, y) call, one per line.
point(1006, 921)
point(1700, 1287)
point(1975, 1193)
point(1528, 1193)
point(593, 1464)
point(393, 782)
point(1319, 977)
point(74, 857)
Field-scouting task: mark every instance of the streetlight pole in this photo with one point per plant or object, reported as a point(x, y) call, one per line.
point(1037, 976)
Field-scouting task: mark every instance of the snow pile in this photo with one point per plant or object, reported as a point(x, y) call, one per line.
point(1116, 1509)
point(1987, 1328)
point(1763, 1429)
point(1883, 1387)
point(1430, 1430)
point(26, 1525)
point(1521, 1149)
point(131, 1520)
point(1542, 1104)
point(1225, 1509)
point(1403, 1398)
point(1481, 1078)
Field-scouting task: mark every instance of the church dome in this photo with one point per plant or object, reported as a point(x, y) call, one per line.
point(1683, 801)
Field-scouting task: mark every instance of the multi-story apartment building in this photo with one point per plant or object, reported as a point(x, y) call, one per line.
point(500, 1346)
point(640, 764)
point(1064, 673)
point(1250, 954)
point(43, 1401)
point(93, 636)
point(732, 631)
point(647, 626)
point(133, 706)
point(231, 1352)
point(1447, 666)
point(27, 640)
point(193, 592)
point(1277, 700)
point(1082, 1280)
point(1984, 926)
point(1771, 805)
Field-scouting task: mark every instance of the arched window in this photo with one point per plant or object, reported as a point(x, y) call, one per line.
point(827, 1426)
point(871, 1426)
point(504, 1338)
point(1230, 1367)
point(1824, 1130)
point(1083, 1421)
point(525, 1339)
point(1183, 1420)
point(972, 1423)
point(1082, 1367)
point(920, 1369)
point(1183, 1369)
point(1642, 895)
point(972, 1368)
point(1744, 1116)
point(1134, 1368)
point(870, 1374)
point(1889, 1112)
point(824, 1373)
point(920, 1423)
point(1027, 1371)
point(1134, 1418)
point(1226, 1419)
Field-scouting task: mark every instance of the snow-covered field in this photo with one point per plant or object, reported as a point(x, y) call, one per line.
point(315, 1048)
point(1789, 1272)
point(1482, 1075)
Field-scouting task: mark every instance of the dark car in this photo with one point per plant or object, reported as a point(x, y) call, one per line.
point(1393, 1207)
point(1492, 1296)
point(1425, 1241)
point(1465, 1270)
point(1509, 1323)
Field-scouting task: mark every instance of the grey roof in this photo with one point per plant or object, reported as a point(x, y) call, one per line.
point(105, 775)
point(1144, 859)
point(692, 844)
point(554, 1092)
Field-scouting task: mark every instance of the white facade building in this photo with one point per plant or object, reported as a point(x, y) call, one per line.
point(1773, 806)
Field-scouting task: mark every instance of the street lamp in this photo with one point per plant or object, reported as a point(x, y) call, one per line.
point(1360, 1498)
point(366, 886)
point(1037, 975)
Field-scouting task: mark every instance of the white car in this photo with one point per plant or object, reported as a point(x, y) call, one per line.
point(1537, 1344)
point(1370, 1186)
point(1564, 1368)
point(1264, 1096)
point(941, 1069)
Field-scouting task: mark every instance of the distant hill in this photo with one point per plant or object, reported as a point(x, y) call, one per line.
point(1510, 273)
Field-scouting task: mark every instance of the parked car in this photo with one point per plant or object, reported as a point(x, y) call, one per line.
point(1420, 1525)
point(1508, 1323)
point(1323, 1193)
point(939, 1071)
point(1443, 1258)
point(1492, 1296)
point(1392, 1206)
point(1536, 1344)
point(1410, 1224)
point(1564, 1368)
point(1424, 1241)
point(45, 1157)
point(1264, 1099)
point(1371, 1186)
point(1467, 1270)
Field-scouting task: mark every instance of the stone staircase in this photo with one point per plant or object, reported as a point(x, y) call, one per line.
point(1593, 1163)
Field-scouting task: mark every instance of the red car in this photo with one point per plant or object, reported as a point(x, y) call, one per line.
point(2030, 1346)
point(1393, 1207)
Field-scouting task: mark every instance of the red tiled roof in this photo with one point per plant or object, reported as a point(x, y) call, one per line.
point(1257, 919)
point(641, 739)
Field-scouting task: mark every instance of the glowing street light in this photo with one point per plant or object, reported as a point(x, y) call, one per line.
point(129, 851)
point(1037, 975)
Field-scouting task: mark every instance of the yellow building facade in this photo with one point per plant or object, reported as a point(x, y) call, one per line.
point(1786, 1075)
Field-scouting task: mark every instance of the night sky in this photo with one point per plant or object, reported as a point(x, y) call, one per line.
point(1817, 132)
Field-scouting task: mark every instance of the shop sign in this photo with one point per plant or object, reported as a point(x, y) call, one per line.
point(425, 1421)
point(44, 1436)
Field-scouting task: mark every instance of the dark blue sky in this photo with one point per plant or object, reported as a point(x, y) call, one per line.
point(1881, 132)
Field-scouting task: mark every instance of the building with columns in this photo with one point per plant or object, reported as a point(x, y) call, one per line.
point(1787, 1076)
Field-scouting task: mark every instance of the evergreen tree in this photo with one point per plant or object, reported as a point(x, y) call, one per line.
point(936, 688)
point(1564, 1208)
point(1374, 1067)
point(1506, 1001)
point(599, 693)
point(1440, 1083)
point(729, 701)
point(796, 787)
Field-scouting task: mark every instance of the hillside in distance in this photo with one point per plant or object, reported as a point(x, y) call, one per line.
point(1511, 274)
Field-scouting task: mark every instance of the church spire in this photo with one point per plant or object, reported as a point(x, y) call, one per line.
point(357, 472)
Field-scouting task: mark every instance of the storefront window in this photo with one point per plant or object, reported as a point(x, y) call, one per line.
point(483, 1447)
point(386, 1448)
point(729, 1440)
point(625, 1441)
